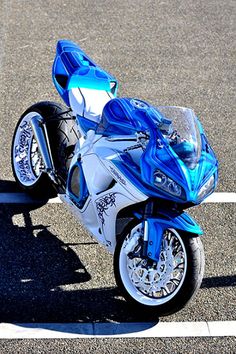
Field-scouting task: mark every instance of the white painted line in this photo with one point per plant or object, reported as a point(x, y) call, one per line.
point(120, 330)
point(24, 198)
point(221, 197)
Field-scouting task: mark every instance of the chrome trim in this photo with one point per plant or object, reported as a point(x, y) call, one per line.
point(41, 137)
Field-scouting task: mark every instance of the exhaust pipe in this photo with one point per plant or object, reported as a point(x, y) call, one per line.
point(41, 137)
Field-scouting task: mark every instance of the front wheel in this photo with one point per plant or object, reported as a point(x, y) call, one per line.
point(162, 287)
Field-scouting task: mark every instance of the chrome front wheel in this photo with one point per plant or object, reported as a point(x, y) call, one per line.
point(159, 285)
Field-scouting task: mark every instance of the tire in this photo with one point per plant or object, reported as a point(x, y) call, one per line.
point(25, 157)
point(144, 283)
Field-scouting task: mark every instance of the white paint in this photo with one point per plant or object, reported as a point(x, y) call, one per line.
point(119, 330)
point(221, 197)
point(88, 103)
point(24, 198)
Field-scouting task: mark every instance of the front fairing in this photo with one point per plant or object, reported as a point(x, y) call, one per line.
point(190, 174)
point(171, 146)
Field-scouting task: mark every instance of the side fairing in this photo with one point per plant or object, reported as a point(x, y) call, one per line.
point(100, 193)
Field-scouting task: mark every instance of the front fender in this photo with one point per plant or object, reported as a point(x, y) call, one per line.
point(155, 227)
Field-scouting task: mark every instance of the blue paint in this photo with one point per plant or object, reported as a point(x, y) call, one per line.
point(72, 68)
point(122, 116)
point(167, 219)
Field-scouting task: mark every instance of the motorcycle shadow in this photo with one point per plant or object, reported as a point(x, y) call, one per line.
point(39, 277)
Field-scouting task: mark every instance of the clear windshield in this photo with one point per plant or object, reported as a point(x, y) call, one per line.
point(182, 133)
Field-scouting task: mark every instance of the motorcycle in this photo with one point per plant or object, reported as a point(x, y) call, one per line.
point(128, 171)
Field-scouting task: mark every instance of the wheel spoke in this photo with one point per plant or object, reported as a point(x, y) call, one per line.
point(27, 159)
point(157, 280)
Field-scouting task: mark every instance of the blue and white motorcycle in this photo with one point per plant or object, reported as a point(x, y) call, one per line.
point(127, 170)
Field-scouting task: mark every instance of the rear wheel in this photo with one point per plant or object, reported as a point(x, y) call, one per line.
point(162, 287)
point(27, 163)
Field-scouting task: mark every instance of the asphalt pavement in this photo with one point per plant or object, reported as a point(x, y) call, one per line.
point(168, 53)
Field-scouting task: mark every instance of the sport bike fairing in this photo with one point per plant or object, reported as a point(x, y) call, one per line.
point(96, 199)
point(175, 160)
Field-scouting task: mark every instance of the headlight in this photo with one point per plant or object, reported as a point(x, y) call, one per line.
point(207, 188)
point(167, 184)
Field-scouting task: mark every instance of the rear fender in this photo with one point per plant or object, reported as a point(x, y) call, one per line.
point(155, 227)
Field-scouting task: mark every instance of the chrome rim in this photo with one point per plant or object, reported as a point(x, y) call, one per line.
point(27, 160)
point(149, 282)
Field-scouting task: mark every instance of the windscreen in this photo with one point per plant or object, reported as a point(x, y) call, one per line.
point(182, 134)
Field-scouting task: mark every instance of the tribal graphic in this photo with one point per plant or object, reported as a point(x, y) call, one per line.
point(104, 203)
